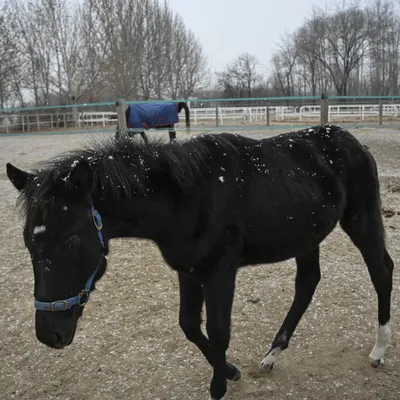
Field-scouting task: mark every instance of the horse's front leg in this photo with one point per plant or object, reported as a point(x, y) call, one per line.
point(219, 291)
point(191, 304)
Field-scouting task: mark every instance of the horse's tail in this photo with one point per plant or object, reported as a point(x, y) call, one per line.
point(127, 113)
point(187, 113)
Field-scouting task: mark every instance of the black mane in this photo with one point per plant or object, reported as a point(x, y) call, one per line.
point(121, 168)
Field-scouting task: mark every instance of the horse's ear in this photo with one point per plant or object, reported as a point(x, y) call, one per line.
point(17, 177)
point(81, 177)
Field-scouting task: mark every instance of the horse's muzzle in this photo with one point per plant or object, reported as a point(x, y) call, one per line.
point(53, 333)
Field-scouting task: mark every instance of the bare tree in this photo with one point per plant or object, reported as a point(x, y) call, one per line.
point(186, 62)
point(148, 50)
point(34, 47)
point(384, 48)
point(284, 63)
point(175, 55)
point(153, 67)
point(194, 75)
point(72, 47)
point(90, 49)
point(240, 77)
point(60, 57)
point(342, 41)
point(349, 50)
point(119, 26)
point(9, 55)
point(90, 80)
point(309, 65)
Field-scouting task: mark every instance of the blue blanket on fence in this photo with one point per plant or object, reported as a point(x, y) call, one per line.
point(152, 115)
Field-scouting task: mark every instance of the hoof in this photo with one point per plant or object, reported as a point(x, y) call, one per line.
point(218, 389)
point(382, 342)
point(376, 363)
point(237, 376)
point(267, 364)
point(211, 398)
point(267, 368)
point(233, 373)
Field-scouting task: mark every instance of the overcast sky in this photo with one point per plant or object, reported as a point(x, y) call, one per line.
point(226, 28)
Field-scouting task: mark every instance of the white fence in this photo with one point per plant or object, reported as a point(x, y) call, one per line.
point(200, 116)
point(353, 111)
point(97, 118)
point(255, 114)
point(38, 122)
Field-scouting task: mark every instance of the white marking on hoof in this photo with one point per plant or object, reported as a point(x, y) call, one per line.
point(383, 336)
point(269, 360)
point(39, 229)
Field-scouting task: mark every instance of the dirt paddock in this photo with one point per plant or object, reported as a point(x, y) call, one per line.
point(129, 346)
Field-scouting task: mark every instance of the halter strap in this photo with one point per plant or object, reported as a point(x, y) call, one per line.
point(97, 223)
point(83, 297)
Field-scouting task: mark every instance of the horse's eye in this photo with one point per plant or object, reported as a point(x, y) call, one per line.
point(72, 241)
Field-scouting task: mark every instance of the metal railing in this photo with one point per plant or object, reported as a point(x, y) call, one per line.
point(105, 115)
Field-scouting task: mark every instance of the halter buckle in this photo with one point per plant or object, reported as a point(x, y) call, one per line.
point(83, 298)
point(97, 220)
point(53, 304)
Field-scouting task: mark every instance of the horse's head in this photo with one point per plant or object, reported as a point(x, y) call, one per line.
point(64, 236)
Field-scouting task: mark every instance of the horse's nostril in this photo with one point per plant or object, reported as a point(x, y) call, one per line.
point(57, 339)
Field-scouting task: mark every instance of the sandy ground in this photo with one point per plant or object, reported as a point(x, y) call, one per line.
point(129, 344)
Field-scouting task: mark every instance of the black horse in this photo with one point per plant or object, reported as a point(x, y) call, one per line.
point(212, 204)
point(154, 115)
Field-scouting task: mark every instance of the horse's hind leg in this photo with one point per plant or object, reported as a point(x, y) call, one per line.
point(365, 229)
point(384, 331)
point(144, 137)
point(307, 278)
point(172, 135)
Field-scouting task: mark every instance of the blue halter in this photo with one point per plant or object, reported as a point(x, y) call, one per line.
point(83, 296)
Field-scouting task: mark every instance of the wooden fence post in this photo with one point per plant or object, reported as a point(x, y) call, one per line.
point(75, 116)
point(380, 112)
point(216, 116)
point(268, 121)
point(121, 119)
point(324, 109)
